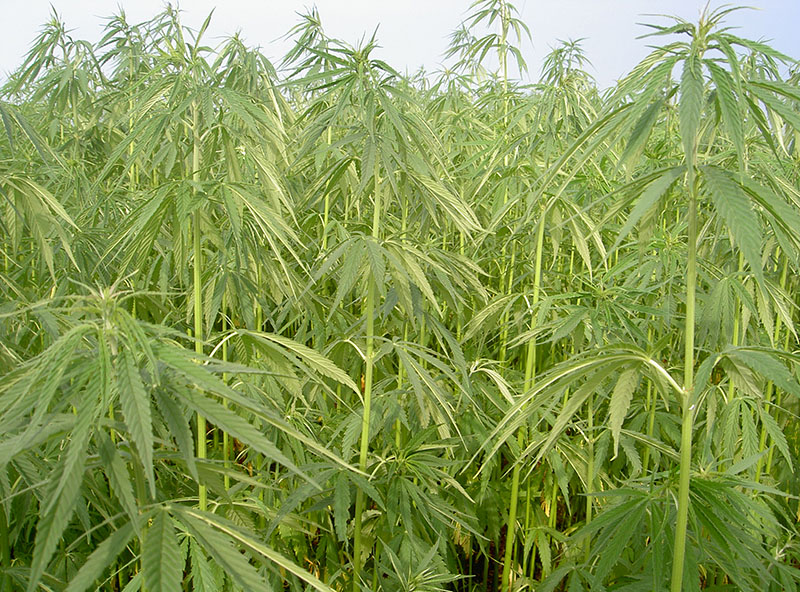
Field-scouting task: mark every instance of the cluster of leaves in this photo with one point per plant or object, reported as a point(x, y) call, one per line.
point(324, 326)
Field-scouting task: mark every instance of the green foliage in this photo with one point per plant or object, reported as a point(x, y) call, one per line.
point(328, 326)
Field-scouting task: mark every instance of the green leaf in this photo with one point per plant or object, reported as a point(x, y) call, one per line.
point(765, 363)
point(245, 540)
point(63, 491)
point(135, 404)
point(776, 434)
point(733, 206)
point(729, 105)
point(647, 200)
point(162, 561)
point(101, 558)
point(204, 578)
point(239, 428)
point(341, 506)
point(620, 402)
point(573, 404)
point(118, 476)
point(223, 551)
point(641, 131)
point(178, 425)
point(311, 357)
point(690, 105)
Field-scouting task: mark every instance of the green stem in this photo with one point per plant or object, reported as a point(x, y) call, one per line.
point(651, 411)
point(530, 375)
point(679, 551)
point(527, 531)
point(197, 254)
point(226, 452)
point(769, 391)
point(327, 212)
point(198, 344)
point(589, 469)
point(369, 312)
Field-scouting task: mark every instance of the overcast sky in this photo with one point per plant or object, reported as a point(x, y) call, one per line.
point(412, 33)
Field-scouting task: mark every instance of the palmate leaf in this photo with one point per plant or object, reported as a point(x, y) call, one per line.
point(640, 133)
point(34, 384)
point(618, 525)
point(315, 360)
point(733, 206)
point(222, 550)
point(580, 237)
point(575, 401)
point(229, 538)
point(774, 104)
point(766, 363)
point(784, 219)
point(202, 381)
point(776, 434)
point(162, 563)
point(239, 428)
point(546, 395)
point(186, 364)
point(178, 425)
point(647, 200)
point(427, 391)
point(455, 209)
point(204, 577)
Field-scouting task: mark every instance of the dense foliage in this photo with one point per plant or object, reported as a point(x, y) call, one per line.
point(324, 326)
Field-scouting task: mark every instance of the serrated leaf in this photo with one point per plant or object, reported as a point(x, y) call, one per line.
point(733, 206)
point(135, 403)
point(203, 577)
point(341, 506)
point(776, 434)
point(239, 428)
point(243, 539)
point(647, 200)
point(311, 357)
point(641, 131)
point(749, 433)
point(118, 477)
point(179, 428)
point(729, 106)
point(224, 552)
point(690, 104)
point(63, 491)
point(620, 402)
point(767, 365)
point(101, 558)
point(162, 563)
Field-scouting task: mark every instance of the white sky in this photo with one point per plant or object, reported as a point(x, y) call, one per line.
point(412, 33)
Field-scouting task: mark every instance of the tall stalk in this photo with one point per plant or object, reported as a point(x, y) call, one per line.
point(198, 288)
point(679, 550)
point(369, 362)
point(530, 376)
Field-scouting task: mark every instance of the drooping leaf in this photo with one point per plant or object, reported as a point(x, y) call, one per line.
point(620, 402)
point(733, 206)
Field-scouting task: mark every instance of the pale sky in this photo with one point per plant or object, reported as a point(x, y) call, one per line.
point(412, 33)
